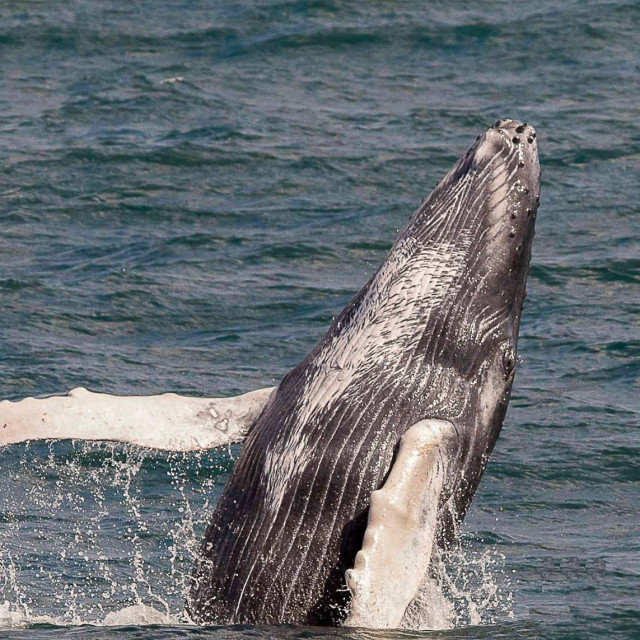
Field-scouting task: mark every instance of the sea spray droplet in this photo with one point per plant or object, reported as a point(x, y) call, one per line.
point(474, 584)
point(94, 493)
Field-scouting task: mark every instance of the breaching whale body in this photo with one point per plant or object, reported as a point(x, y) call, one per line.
point(370, 450)
point(364, 460)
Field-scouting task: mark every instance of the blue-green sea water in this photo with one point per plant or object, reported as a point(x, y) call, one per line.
point(191, 190)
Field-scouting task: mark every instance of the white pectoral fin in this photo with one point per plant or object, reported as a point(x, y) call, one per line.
point(397, 545)
point(168, 421)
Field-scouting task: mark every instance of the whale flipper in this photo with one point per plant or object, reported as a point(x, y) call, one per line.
point(394, 560)
point(167, 421)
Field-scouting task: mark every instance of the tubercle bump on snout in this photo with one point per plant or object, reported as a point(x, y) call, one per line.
point(515, 143)
point(518, 127)
point(511, 139)
point(513, 132)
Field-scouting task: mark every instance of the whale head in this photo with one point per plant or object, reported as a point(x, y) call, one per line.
point(480, 220)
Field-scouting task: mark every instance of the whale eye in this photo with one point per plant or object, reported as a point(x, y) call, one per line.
point(508, 361)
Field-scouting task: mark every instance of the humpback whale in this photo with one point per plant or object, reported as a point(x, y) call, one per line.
point(366, 456)
point(426, 351)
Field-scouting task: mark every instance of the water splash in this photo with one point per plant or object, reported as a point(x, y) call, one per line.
point(12, 617)
point(95, 532)
point(106, 534)
point(474, 584)
point(465, 587)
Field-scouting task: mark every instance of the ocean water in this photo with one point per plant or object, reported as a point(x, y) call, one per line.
point(190, 191)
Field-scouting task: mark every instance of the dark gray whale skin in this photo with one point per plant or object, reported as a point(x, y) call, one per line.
point(433, 334)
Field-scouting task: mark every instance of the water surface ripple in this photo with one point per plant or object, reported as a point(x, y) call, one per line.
point(190, 191)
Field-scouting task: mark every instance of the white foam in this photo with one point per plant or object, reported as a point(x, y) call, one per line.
point(139, 615)
point(86, 543)
point(104, 565)
point(11, 617)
